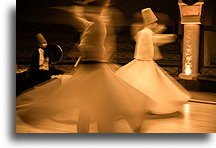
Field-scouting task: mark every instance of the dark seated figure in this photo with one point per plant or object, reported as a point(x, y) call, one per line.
point(43, 61)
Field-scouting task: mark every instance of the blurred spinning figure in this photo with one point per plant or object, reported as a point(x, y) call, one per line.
point(145, 75)
point(94, 89)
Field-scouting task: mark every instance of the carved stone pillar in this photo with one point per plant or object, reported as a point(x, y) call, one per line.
point(191, 18)
point(190, 57)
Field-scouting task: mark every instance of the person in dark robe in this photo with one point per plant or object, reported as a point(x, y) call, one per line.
point(41, 68)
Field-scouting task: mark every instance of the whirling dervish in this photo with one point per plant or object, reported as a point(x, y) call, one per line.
point(143, 73)
point(93, 88)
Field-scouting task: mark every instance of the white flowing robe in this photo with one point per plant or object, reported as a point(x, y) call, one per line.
point(143, 73)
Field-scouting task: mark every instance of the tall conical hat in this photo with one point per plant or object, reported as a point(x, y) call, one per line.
point(40, 38)
point(148, 16)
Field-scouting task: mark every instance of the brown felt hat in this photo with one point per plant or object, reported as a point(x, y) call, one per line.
point(148, 16)
point(40, 39)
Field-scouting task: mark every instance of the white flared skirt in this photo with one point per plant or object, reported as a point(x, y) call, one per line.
point(92, 88)
point(165, 92)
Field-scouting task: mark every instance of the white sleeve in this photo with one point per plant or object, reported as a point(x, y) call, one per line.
point(162, 39)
